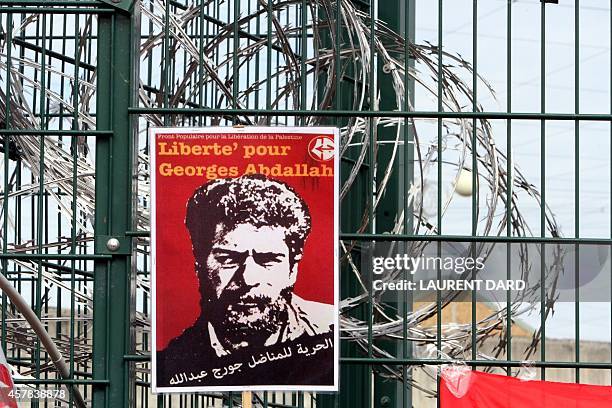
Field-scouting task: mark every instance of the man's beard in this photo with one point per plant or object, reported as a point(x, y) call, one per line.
point(239, 318)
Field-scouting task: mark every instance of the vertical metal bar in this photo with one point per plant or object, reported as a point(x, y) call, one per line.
point(62, 114)
point(475, 189)
point(440, 109)
point(194, 29)
point(407, 215)
point(278, 76)
point(35, 109)
point(149, 55)
point(113, 207)
point(577, 177)
point(6, 143)
point(235, 66)
point(338, 59)
point(509, 191)
point(439, 198)
point(216, 13)
point(337, 103)
point(408, 156)
point(41, 190)
point(166, 61)
point(303, 57)
point(269, 58)
point(73, 229)
point(201, 72)
point(396, 16)
point(288, 76)
point(18, 203)
point(543, 294)
point(7, 125)
point(257, 59)
point(370, 194)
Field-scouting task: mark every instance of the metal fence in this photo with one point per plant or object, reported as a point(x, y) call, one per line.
point(81, 82)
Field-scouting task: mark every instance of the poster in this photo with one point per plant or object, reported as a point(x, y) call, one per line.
point(244, 259)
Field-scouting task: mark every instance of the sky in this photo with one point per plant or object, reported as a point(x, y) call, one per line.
point(593, 89)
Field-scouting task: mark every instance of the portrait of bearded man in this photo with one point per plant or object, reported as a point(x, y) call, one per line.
point(248, 235)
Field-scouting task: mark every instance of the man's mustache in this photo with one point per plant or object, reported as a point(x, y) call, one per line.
point(238, 296)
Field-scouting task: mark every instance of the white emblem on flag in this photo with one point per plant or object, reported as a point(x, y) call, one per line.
point(321, 148)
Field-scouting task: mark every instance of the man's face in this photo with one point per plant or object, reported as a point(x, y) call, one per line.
point(250, 270)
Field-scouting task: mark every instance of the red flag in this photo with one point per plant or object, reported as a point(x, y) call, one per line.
point(483, 390)
point(7, 399)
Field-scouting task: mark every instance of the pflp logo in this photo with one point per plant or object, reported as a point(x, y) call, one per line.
point(321, 148)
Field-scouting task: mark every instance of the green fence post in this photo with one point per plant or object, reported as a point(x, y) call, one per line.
point(113, 209)
point(399, 16)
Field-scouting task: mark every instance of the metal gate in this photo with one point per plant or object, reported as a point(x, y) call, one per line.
point(81, 82)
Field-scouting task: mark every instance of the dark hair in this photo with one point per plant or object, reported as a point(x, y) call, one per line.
point(251, 199)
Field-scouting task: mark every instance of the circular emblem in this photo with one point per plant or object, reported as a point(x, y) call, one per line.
point(321, 148)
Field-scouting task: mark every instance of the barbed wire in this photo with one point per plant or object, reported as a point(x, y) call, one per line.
point(345, 51)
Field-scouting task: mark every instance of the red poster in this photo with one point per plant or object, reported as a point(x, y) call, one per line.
point(482, 390)
point(244, 259)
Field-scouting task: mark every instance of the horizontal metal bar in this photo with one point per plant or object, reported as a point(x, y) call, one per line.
point(15, 277)
point(46, 132)
point(63, 115)
point(28, 363)
point(387, 114)
point(67, 269)
point(470, 238)
point(450, 238)
point(416, 361)
point(59, 257)
point(473, 363)
point(54, 3)
point(60, 381)
point(137, 357)
point(55, 10)
point(144, 36)
point(61, 271)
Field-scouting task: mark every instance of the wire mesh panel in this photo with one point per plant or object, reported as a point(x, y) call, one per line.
point(475, 125)
point(47, 65)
